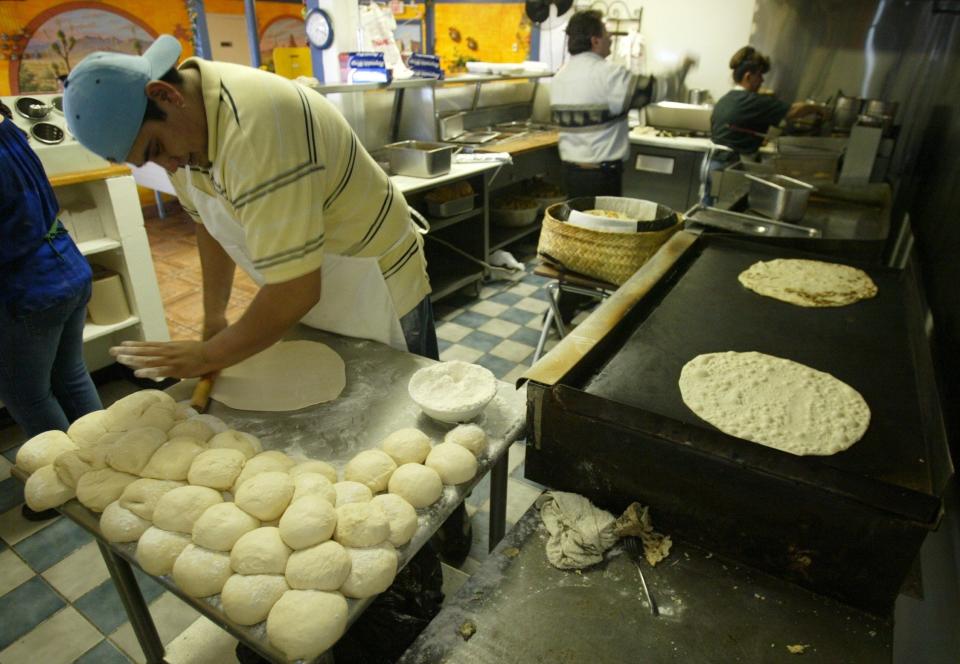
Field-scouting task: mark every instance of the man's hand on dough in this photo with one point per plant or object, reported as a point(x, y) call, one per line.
point(155, 359)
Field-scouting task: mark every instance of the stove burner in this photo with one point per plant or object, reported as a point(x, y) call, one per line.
point(31, 108)
point(48, 133)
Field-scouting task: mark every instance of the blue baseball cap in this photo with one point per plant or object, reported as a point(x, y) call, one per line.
point(104, 97)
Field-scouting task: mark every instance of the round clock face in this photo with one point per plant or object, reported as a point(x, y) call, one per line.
point(319, 28)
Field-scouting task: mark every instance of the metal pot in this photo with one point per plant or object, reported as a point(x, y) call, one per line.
point(880, 108)
point(845, 112)
point(697, 96)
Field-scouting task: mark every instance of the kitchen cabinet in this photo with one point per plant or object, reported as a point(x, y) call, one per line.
point(101, 211)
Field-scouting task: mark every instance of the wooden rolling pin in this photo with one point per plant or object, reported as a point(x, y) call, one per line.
point(200, 400)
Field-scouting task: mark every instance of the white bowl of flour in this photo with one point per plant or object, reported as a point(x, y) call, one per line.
point(452, 391)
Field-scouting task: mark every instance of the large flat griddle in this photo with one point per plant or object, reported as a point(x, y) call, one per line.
point(607, 421)
point(704, 309)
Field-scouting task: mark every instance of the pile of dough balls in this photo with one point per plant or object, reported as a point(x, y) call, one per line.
point(279, 541)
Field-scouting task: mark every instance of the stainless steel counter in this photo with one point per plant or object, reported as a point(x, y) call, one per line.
point(517, 608)
point(373, 404)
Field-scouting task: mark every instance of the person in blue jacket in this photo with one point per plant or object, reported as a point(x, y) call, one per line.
point(44, 287)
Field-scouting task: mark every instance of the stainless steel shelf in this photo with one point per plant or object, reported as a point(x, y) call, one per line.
point(501, 236)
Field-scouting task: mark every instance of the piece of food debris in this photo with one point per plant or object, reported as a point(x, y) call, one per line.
point(511, 552)
point(467, 630)
point(797, 649)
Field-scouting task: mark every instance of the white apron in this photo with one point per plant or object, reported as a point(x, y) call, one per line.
point(354, 300)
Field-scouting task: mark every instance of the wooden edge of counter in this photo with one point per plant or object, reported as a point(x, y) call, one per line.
point(553, 366)
point(88, 176)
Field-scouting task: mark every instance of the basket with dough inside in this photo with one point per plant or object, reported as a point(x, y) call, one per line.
point(605, 237)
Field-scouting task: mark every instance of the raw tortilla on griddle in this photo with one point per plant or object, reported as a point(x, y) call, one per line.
point(774, 402)
point(808, 283)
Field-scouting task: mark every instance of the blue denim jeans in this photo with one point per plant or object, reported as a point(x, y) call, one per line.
point(44, 382)
point(419, 330)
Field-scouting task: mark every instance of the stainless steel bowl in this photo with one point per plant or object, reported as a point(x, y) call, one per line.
point(32, 108)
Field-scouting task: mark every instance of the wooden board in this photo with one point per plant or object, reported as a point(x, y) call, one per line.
point(525, 143)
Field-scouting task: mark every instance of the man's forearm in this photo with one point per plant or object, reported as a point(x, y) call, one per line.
point(217, 269)
point(275, 309)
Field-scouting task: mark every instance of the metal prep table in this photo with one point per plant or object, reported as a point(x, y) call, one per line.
point(711, 610)
point(848, 525)
point(374, 404)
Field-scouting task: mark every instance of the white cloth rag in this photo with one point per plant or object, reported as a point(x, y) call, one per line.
point(579, 532)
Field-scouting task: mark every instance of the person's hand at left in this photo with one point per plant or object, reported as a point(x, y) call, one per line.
point(158, 359)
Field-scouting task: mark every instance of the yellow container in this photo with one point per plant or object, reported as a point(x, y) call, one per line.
point(108, 301)
point(292, 61)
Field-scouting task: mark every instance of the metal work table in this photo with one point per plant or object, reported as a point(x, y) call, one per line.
point(373, 404)
point(711, 610)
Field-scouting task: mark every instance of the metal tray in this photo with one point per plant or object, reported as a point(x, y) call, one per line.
point(779, 196)
point(420, 159)
point(451, 207)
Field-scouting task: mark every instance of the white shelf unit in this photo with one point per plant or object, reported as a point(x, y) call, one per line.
point(101, 211)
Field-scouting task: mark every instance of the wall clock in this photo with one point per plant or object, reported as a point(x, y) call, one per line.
point(319, 27)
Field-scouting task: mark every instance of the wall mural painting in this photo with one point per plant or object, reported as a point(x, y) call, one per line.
point(283, 31)
point(63, 40)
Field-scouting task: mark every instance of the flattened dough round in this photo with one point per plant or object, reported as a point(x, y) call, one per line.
point(287, 376)
point(808, 283)
point(774, 402)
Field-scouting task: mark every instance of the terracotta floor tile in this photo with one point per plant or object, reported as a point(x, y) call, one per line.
point(172, 288)
point(187, 311)
point(181, 332)
point(164, 245)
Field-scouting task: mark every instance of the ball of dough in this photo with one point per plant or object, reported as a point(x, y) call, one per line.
point(305, 623)
point(247, 600)
point(133, 449)
point(321, 567)
point(96, 453)
point(371, 571)
point(260, 551)
point(193, 428)
point(454, 464)
point(141, 496)
point(470, 436)
point(417, 484)
point(119, 524)
point(361, 524)
point(172, 460)
point(87, 429)
point(158, 416)
point(246, 443)
point(42, 450)
point(308, 521)
point(99, 488)
point(401, 516)
point(45, 490)
point(407, 446)
point(217, 469)
point(201, 572)
point(313, 484)
point(314, 466)
point(158, 549)
point(266, 495)
point(70, 467)
point(370, 467)
point(179, 509)
point(221, 525)
point(265, 462)
point(352, 492)
point(212, 421)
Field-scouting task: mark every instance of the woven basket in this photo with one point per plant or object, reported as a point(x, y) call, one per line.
point(610, 257)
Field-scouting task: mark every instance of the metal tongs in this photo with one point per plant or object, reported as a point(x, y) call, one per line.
point(634, 547)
